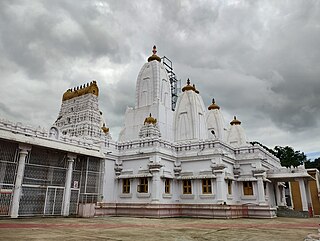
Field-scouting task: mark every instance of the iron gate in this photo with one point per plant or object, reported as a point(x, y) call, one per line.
point(54, 201)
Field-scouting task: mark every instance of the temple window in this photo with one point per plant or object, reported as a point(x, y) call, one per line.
point(126, 186)
point(167, 186)
point(206, 186)
point(143, 185)
point(187, 187)
point(247, 188)
point(229, 187)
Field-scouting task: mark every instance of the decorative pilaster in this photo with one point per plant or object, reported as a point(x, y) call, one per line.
point(154, 168)
point(23, 152)
point(259, 174)
point(284, 201)
point(303, 195)
point(218, 170)
point(67, 189)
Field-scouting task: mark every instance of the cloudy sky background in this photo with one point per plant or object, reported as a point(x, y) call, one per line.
point(260, 60)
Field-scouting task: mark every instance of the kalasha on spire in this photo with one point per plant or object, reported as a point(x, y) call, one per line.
point(154, 56)
point(154, 50)
point(188, 86)
point(235, 121)
point(213, 106)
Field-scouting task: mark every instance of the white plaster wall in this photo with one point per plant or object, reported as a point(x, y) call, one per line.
point(109, 187)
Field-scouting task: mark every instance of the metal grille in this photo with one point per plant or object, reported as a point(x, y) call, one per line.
point(8, 151)
point(44, 181)
point(6, 192)
point(47, 157)
point(88, 198)
point(54, 201)
point(8, 166)
point(44, 175)
point(7, 172)
point(32, 200)
point(91, 179)
point(74, 200)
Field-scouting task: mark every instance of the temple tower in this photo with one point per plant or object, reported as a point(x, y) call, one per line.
point(215, 122)
point(189, 121)
point(79, 113)
point(153, 95)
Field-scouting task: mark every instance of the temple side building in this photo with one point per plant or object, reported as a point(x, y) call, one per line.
point(167, 162)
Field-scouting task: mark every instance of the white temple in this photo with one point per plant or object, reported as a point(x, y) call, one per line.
point(166, 163)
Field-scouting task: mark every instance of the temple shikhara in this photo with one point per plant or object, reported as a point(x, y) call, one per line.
point(175, 156)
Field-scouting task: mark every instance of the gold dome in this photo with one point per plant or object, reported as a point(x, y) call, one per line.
point(235, 121)
point(213, 106)
point(81, 90)
point(154, 56)
point(188, 87)
point(150, 120)
point(105, 129)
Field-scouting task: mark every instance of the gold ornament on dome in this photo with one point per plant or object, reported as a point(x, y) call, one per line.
point(150, 120)
point(235, 121)
point(189, 87)
point(89, 88)
point(105, 129)
point(154, 56)
point(213, 106)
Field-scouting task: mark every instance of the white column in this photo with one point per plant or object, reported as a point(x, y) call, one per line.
point(221, 194)
point(67, 189)
point(278, 194)
point(156, 181)
point(284, 201)
point(23, 152)
point(261, 195)
point(303, 195)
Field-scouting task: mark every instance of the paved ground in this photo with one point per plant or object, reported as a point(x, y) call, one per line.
point(175, 229)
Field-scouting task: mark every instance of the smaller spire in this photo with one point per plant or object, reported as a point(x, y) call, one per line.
point(213, 106)
point(235, 121)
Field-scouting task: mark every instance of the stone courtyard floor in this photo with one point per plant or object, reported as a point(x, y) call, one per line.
point(145, 229)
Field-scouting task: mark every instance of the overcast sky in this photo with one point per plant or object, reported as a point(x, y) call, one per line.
point(260, 60)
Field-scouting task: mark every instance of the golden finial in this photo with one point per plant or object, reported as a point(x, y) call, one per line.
point(105, 129)
point(188, 86)
point(213, 106)
point(154, 55)
point(150, 120)
point(235, 121)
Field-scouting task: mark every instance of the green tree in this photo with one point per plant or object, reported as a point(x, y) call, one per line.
point(289, 157)
point(313, 164)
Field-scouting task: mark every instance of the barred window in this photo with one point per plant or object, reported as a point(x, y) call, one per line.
point(143, 185)
point(206, 186)
point(187, 187)
point(229, 187)
point(126, 186)
point(247, 188)
point(167, 186)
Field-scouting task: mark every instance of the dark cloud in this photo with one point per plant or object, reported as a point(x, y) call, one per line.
point(259, 59)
